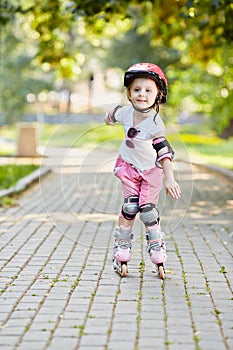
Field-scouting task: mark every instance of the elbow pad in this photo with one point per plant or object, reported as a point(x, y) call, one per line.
point(163, 148)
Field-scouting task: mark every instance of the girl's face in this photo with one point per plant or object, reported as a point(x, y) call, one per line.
point(143, 92)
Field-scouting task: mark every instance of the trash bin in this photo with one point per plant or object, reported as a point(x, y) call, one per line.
point(27, 140)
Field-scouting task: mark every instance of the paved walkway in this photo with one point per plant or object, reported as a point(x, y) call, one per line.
point(58, 287)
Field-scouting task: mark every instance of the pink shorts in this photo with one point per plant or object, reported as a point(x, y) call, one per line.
point(146, 184)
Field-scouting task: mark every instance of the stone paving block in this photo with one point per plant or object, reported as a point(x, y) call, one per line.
point(153, 333)
point(90, 339)
point(76, 308)
point(152, 342)
point(122, 335)
point(45, 326)
point(75, 315)
point(96, 330)
point(116, 345)
point(7, 342)
point(60, 343)
point(13, 331)
point(150, 315)
point(212, 344)
point(28, 344)
point(180, 345)
point(68, 332)
point(22, 313)
point(41, 335)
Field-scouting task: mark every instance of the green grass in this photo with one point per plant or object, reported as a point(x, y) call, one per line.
point(10, 174)
point(80, 135)
point(194, 143)
point(70, 135)
point(205, 149)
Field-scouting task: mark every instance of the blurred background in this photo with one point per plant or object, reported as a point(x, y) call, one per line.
point(63, 62)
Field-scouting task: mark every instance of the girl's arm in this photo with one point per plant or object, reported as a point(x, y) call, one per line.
point(110, 116)
point(171, 185)
point(165, 155)
point(108, 120)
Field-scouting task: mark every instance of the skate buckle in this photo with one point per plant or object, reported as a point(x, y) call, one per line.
point(122, 243)
point(154, 245)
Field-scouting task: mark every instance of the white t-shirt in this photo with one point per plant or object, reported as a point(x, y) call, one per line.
point(142, 156)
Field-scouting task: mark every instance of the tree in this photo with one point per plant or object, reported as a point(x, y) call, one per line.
point(19, 75)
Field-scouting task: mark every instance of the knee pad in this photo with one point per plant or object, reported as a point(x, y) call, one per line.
point(130, 208)
point(149, 214)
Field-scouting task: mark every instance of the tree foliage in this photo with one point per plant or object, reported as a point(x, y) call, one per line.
point(190, 39)
point(19, 74)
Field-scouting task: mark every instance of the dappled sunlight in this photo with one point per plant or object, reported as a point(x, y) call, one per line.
point(202, 203)
point(207, 211)
point(83, 217)
point(97, 217)
point(202, 176)
point(70, 217)
point(229, 204)
point(39, 217)
point(70, 170)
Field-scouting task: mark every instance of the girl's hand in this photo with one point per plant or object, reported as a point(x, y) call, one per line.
point(108, 119)
point(172, 188)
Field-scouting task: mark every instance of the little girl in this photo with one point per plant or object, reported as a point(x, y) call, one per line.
point(144, 159)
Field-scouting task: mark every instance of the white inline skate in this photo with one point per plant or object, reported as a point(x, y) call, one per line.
point(121, 250)
point(157, 249)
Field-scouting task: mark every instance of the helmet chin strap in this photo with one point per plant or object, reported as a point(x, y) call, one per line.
point(143, 110)
point(146, 110)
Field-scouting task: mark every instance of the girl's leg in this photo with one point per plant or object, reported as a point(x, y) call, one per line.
point(149, 214)
point(126, 223)
point(123, 240)
point(123, 232)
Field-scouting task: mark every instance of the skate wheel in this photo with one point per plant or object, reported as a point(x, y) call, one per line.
point(161, 272)
point(123, 270)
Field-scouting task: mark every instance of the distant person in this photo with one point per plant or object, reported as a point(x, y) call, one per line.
point(145, 157)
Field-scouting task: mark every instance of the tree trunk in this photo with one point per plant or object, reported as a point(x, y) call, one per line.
point(228, 131)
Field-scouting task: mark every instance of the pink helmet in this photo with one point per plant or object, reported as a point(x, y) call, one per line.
point(148, 70)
